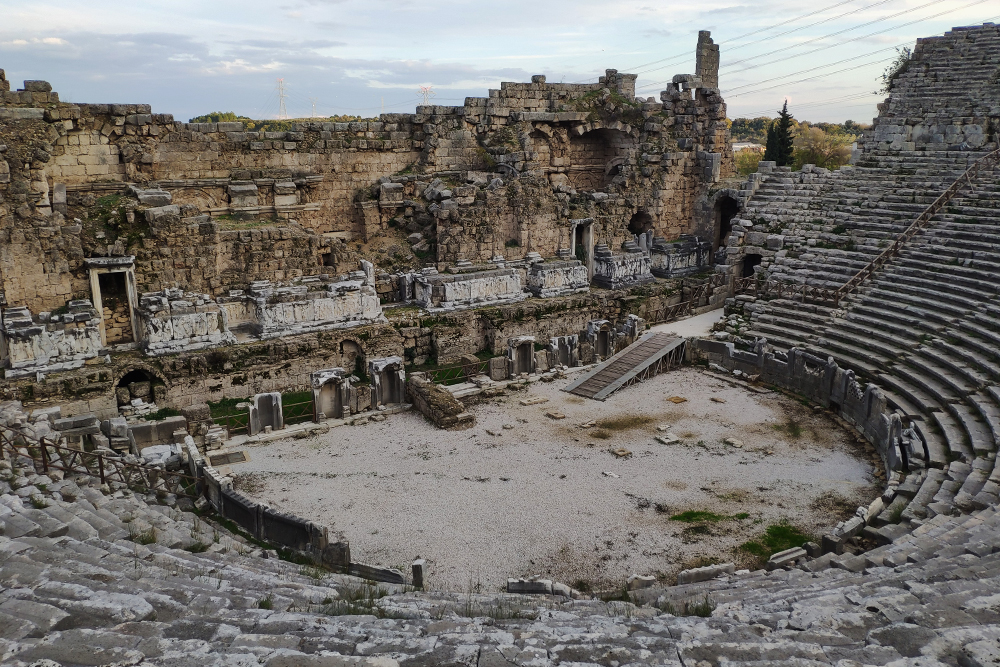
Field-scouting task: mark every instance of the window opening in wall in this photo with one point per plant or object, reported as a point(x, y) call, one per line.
point(581, 249)
point(749, 263)
point(726, 209)
point(327, 258)
point(117, 314)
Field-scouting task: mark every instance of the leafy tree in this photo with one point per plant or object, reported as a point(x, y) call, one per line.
point(747, 161)
point(814, 146)
point(750, 129)
point(894, 69)
point(780, 143)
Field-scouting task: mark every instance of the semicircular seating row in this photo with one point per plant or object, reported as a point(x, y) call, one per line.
point(93, 579)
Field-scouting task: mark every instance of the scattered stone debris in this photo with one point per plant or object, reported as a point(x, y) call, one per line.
point(609, 474)
point(677, 399)
point(622, 453)
point(508, 427)
point(555, 414)
point(591, 424)
point(534, 400)
point(668, 439)
point(716, 399)
point(733, 442)
point(663, 428)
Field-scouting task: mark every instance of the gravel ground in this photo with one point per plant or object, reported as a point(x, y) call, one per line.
point(522, 494)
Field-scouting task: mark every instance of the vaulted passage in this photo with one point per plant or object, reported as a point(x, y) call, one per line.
point(725, 210)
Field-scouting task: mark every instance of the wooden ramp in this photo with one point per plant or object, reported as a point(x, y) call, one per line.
point(651, 354)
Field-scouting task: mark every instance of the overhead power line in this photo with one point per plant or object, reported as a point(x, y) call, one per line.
point(687, 54)
point(839, 44)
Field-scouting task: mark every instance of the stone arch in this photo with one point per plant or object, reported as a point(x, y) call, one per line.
point(136, 381)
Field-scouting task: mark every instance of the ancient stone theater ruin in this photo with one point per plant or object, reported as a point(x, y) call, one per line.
point(179, 299)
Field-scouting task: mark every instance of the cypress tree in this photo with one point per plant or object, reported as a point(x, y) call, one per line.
point(783, 140)
point(771, 147)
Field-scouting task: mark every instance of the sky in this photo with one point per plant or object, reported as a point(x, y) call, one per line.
point(363, 57)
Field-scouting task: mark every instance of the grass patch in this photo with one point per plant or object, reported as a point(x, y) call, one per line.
point(266, 602)
point(360, 601)
point(227, 407)
point(696, 516)
point(792, 427)
point(702, 608)
point(601, 434)
point(777, 537)
point(831, 502)
point(196, 548)
point(625, 422)
point(142, 536)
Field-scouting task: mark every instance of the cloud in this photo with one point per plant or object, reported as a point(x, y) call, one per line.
point(350, 54)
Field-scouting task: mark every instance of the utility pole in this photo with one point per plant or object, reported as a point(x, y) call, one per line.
point(426, 93)
point(313, 100)
point(282, 111)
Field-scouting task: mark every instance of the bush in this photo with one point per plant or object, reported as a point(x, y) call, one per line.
point(747, 161)
point(814, 146)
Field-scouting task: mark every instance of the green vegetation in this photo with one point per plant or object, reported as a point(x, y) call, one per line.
point(138, 536)
point(791, 426)
point(227, 407)
point(777, 537)
point(894, 69)
point(814, 146)
point(780, 145)
point(698, 516)
point(747, 161)
point(360, 601)
point(704, 608)
point(270, 125)
point(266, 602)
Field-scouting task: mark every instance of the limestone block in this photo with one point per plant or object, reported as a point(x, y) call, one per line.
point(498, 369)
point(243, 195)
point(529, 587)
point(704, 573)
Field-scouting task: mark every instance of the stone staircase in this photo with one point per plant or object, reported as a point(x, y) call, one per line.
point(95, 579)
point(925, 328)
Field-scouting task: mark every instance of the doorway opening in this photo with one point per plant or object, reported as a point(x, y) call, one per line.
point(117, 314)
point(726, 209)
point(750, 262)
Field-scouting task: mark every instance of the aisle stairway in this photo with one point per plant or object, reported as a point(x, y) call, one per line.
point(84, 583)
point(926, 328)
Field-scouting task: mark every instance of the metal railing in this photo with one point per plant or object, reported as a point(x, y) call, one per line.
point(296, 413)
point(458, 374)
point(781, 290)
point(111, 470)
point(989, 160)
point(700, 291)
point(234, 423)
